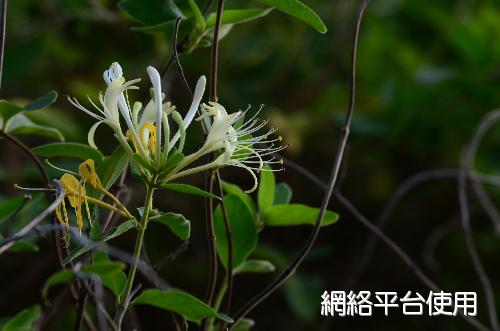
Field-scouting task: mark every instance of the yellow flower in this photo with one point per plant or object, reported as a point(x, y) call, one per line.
point(76, 194)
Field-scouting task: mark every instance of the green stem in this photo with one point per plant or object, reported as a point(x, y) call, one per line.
point(218, 301)
point(122, 307)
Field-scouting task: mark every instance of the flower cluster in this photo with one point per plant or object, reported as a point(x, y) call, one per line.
point(75, 191)
point(156, 152)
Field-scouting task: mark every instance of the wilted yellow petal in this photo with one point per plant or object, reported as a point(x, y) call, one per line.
point(87, 171)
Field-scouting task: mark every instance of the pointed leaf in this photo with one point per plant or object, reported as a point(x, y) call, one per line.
point(24, 246)
point(9, 206)
point(23, 321)
point(60, 277)
point(245, 324)
point(243, 229)
point(296, 214)
point(42, 102)
point(150, 12)
point(179, 302)
point(112, 167)
point(104, 267)
point(74, 150)
point(254, 266)
point(267, 186)
point(20, 124)
point(99, 240)
point(179, 225)
point(299, 10)
point(115, 282)
point(246, 198)
point(237, 16)
point(7, 110)
point(282, 194)
point(200, 20)
point(189, 189)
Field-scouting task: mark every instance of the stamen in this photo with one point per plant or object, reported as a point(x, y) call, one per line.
point(35, 189)
point(60, 169)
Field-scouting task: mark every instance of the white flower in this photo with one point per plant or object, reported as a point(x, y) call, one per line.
point(144, 133)
point(245, 146)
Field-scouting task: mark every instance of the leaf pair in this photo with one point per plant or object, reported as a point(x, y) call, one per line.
point(14, 119)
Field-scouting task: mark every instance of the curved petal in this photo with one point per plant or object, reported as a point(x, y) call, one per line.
point(155, 78)
point(198, 95)
point(91, 134)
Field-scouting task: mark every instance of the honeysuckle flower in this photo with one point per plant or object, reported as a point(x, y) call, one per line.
point(238, 144)
point(144, 134)
point(147, 137)
point(75, 191)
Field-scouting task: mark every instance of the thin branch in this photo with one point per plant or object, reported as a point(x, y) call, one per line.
point(8, 242)
point(3, 24)
point(180, 71)
point(210, 174)
point(32, 156)
point(404, 257)
point(467, 162)
point(82, 302)
point(215, 52)
point(172, 256)
point(344, 134)
point(380, 235)
point(400, 192)
point(108, 221)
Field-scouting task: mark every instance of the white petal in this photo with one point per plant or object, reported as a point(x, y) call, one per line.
point(154, 75)
point(92, 133)
point(148, 114)
point(198, 95)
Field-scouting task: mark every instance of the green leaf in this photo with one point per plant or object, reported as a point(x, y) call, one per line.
point(243, 229)
point(301, 294)
point(282, 194)
point(200, 20)
point(179, 225)
point(187, 25)
point(23, 246)
point(115, 282)
point(246, 198)
point(189, 189)
point(104, 267)
point(7, 110)
point(60, 277)
point(9, 206)
point(174, 158)
point(296, 214)
point(299, 10)
point(112, 167)
point(150, 12)
point(74, 150)
point(254, 266)
point(237, 16)
point(20, 124)
point(42, 102)
point(23, 321)
point(244, 324)
point(267, 186)
point(102, 238)
point(179, 302)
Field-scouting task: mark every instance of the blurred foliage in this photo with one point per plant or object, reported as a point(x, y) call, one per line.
point(427, 72)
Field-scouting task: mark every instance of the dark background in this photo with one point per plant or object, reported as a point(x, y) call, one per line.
point(427, 72)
